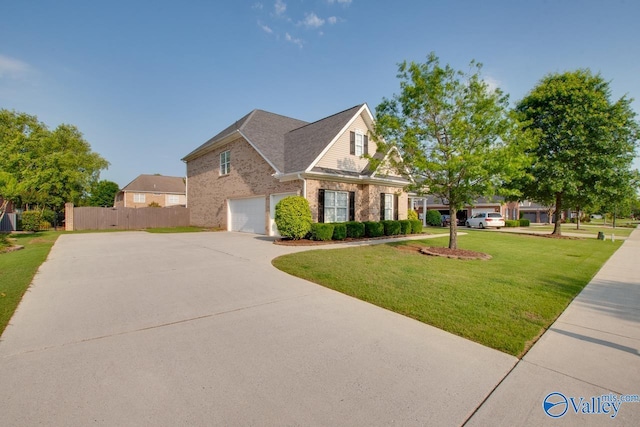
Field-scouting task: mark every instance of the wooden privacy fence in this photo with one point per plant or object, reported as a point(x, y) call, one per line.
point(90, 218)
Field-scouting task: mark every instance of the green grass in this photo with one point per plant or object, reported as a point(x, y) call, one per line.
point(586, 229)
point(18, 268)
point(505, 303)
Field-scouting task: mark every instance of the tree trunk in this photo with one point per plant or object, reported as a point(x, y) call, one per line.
point(558, 215)
point(578, 218)
point(453, 228)
point(3, 209)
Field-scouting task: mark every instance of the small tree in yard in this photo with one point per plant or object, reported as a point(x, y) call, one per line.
point(455, 135)
point(293, 217)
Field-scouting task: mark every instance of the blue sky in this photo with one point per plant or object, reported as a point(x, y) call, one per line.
point(149, 81)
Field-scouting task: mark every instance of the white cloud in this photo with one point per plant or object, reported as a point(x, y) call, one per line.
point(332, 20)
point(293, 40)
point(13, 68)
point(265, 28)
point(280, 7)
point(311, 20)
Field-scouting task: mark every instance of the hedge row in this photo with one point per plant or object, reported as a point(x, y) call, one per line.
point(516, 223)
point(356, 230)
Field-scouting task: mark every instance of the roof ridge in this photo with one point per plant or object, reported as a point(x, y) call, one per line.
point(328, 117)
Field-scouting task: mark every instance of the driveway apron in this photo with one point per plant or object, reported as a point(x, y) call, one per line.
point(133, 328)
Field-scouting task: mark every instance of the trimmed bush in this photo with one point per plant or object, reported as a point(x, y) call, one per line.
point(44, 225)
point(405, 226)
point(31, 220)
point(391, 228)
point(416, 226)
point(48, 216)
point(293, 217)
point(412, 214)
point(373, 229)
point(355, 229)
point(434, 218)
point(339, 231)
point(511, 223)
point(524, 222)
point(322, 231)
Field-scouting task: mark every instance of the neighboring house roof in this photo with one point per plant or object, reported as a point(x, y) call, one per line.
point(157, 184)
point(288, 145)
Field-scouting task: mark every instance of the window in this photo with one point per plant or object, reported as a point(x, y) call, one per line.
point(336, 206)
point(139, 198)
point(225, 162)
point(387, 211)
point(359, 143)
point(173, 199)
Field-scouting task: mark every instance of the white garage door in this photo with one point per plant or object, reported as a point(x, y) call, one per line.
point(247, 215)
point(275, 198)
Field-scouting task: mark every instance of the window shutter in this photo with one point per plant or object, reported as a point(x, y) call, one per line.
point(320, 205)
point(352, 206)
point(381, 206)
point(352, 148)
point(395, 207)
point(366, 145)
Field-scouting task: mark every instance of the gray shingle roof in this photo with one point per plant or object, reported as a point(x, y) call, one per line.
point(157, 184)
point(291, 145)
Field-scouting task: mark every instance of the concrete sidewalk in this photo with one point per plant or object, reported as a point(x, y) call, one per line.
point(593, 349)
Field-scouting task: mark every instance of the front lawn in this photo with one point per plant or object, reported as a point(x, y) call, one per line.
point(505, 303)
point(18, 268)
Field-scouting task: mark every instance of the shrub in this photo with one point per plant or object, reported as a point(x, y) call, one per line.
point(511, 223)
point(405, 226)
point(293, 217)
point(322, 231)
point(44, 225)
point(355, 229)
point(339, 231)
point(31, 220)
point(154, 205)
point(416, 226)
point(4, 240)
point(412, 214)
point(434, 218)
point(48, 216)
point(373, 229)
point(391, 228)
point(524, 222)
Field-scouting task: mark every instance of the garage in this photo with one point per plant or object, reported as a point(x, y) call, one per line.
point(247, 215)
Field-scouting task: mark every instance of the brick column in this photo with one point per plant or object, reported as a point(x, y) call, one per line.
point(68, 216)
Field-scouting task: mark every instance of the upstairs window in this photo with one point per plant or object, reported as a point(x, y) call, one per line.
point(359, 143)
point(225, 162)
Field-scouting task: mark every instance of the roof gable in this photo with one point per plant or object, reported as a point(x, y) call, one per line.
point(306, 145)
point(157, 184)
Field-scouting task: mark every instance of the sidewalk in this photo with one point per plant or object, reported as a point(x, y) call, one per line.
point(592, 350)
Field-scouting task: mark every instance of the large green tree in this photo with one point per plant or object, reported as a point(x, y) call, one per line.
point(585, 145)
point(456, 137)
point(103, 193)
point(48, 168)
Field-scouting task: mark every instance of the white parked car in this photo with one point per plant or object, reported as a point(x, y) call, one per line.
point(486, 219)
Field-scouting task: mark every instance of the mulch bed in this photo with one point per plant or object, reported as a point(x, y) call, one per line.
point(446, 252)
point(307, 242)
point(11, 249)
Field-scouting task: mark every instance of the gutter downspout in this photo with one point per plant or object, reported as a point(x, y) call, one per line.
point(304, 185)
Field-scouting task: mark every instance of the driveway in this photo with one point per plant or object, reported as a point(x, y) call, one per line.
point(199, 329)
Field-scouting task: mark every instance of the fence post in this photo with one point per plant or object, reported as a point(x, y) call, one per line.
point(68, 216)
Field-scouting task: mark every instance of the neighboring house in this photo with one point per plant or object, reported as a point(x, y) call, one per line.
point(536, 212)
point(8, 217)
point(235, 179)
point(145, 189)
point(509, 210)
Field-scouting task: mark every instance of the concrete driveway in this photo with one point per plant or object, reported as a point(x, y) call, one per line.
point(199, 329)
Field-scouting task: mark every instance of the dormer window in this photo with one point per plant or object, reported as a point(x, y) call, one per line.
point(359, 143)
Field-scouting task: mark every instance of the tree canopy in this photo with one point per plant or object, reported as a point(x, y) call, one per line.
point(585, 142)
point(42, 167)
point(103, 193)
point(456, 136)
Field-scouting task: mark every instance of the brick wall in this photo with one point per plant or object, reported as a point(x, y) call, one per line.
point(250, 175)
